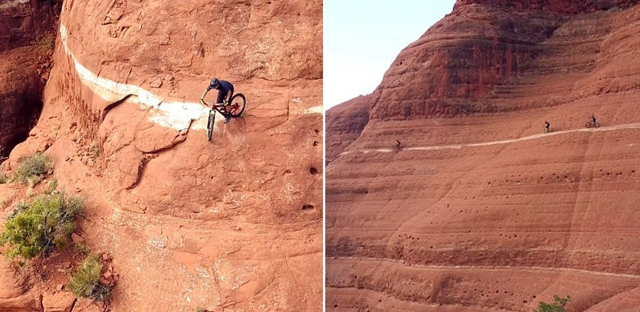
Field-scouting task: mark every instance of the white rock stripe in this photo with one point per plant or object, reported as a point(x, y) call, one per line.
point(527, 138)
point(176, 114)
point(491, 268)
point(314, 110)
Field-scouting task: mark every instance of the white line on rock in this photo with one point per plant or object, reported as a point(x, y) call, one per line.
point(527, 138)
point(490, 268)
point(174, 114)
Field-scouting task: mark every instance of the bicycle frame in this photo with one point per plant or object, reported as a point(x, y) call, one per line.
point(220, 108)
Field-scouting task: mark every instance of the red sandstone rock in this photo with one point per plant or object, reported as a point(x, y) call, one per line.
point(24, 66)
point(345, 123)
point(480, 210)
point(58, 302)
point(162, 200)
point(77, 239)
point(87, 305)
point(14, 293)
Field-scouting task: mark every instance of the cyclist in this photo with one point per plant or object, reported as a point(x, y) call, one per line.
point(225, 92)
point(547, 126)
point(593, 119)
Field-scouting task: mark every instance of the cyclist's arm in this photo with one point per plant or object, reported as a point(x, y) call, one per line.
point(203, 94)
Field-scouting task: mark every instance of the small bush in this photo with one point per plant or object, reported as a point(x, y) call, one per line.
point(558, 305)
point(85, 283)
point(94, 150)
point(52, 187)
point(32, 167)
point(82, 248)
point(37, 227)
point(4, 178)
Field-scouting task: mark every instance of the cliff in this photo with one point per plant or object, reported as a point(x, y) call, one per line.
point(479, 210)
point(235, 223)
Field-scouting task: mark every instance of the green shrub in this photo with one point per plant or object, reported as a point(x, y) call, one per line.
point(558, 305)
point(39, 226)
point(85, 282)
point(4, 178)
point(32, 167)
point(82, 248)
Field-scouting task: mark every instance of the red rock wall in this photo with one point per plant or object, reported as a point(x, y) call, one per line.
point(234, 223)
point(555, 6)
point(481, 53)
point(479, 210)
point(24, 63)
point(345, 123)
point(273, 66)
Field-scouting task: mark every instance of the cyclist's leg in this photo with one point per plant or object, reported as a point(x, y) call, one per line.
point(221, 96)
point(230, 96)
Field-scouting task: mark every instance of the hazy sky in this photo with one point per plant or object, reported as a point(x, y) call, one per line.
point(363, 37)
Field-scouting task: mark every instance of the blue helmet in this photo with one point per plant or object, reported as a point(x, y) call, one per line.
point(214, 83)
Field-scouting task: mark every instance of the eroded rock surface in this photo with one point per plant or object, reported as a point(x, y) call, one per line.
point(14, 293)
point(235, 223)
point(478, 209)
point(25, 47)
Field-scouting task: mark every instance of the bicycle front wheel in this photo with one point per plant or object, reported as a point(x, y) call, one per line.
point(588, 124)
point(237, 104)
point(210, 122)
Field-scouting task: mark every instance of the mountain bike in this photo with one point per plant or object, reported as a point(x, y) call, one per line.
point(398, 145)
point(231, 109)
point(591, 124)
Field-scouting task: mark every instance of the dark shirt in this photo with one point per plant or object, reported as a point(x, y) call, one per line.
point(224, 88)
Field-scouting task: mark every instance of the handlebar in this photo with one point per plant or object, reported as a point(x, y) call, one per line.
point(210, 105)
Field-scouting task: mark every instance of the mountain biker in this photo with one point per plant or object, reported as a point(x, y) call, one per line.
point(225, 92)
point(547, 126)
point(593, 119)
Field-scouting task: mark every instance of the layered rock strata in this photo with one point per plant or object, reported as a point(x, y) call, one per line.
point(478, 209)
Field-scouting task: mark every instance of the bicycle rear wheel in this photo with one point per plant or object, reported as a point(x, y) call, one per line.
point(236, 106)
point(210, 122)
point(588, 124)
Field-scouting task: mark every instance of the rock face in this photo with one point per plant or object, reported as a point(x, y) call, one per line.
point(14, 293)
point(233, 223)
point(59, 302)
point(345, 123)
point(468, 64)
point(479, 210)
point(20, 102)
point(24, 50)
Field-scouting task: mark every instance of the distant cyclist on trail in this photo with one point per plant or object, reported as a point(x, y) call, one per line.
point(225, 92)
point(547, 126)
point(592, 122)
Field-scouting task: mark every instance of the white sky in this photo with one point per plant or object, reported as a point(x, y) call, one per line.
point(363, 37)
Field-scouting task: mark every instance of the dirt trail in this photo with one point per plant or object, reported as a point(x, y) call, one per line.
point(502, 268)
point(508, 141)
